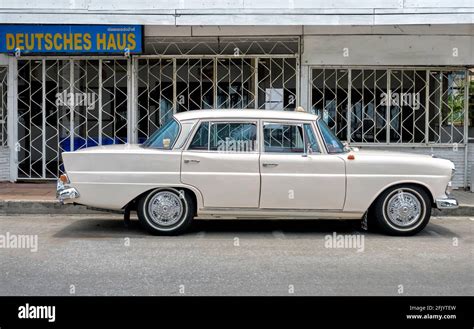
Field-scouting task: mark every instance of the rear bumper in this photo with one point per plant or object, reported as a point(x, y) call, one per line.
point(448, 203)
point(65, 192)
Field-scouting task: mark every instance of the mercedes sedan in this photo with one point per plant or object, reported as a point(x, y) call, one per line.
point(256, 164)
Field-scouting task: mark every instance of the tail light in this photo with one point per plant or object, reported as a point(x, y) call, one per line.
point(64, 179)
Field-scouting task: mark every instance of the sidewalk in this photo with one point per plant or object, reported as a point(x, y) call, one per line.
point(40, 198)
point(34, 198)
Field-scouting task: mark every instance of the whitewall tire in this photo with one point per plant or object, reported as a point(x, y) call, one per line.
point(166, 211)
point(402, 210)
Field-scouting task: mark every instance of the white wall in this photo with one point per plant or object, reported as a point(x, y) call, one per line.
point(421, 45)
point(422, 50)
point(238, 12)
point(308, 30)
point(234, 4)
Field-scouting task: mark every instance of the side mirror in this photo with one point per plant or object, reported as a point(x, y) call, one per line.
point(347, 148)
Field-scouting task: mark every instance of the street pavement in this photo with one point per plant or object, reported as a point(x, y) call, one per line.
point(97, 255)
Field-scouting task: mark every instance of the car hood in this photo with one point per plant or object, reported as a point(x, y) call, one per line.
point(397, 155)
point(395, 161)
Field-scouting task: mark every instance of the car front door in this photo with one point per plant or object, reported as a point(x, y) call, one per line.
point(296, 173)
point(221, 161)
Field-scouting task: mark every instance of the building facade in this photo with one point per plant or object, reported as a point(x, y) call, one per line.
point(393, 75)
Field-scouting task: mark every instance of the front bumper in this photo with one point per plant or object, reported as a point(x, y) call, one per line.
point(448, 203)
point(65, 192)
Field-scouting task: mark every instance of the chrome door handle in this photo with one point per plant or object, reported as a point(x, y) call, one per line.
point(270, 164)
point(191, 161)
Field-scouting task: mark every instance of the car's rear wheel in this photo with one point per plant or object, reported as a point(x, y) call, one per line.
point(402, 210)
point(166, 211)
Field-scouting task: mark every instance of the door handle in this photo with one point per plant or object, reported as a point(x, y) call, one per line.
point(191, 161)
point(270, 164)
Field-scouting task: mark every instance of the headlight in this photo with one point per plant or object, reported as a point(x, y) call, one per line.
point(453, 172)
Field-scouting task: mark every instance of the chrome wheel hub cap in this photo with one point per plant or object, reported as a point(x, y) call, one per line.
point(403, 208)
point(165, 208)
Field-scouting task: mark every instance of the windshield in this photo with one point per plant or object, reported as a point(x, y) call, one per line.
point(164, 137)
point(333, 144)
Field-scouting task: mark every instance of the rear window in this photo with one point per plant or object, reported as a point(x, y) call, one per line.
point(164, 137)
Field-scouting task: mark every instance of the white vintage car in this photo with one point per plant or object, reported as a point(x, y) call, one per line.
point(256, 164)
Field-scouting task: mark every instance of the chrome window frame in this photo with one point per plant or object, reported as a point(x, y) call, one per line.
point(223, 120)
point(317, 134)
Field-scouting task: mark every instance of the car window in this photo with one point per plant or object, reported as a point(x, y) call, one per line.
point(311, 141)
point(225, 137)
point(164, 137)
point(201, 138)
point(233, 137)
point(333, 144)
point(283, 138)
point(186, 128)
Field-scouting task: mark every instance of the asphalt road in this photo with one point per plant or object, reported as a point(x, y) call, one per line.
point(97, 255)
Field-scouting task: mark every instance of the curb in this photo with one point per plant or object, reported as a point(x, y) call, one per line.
point(463, 210)
point(41, 207)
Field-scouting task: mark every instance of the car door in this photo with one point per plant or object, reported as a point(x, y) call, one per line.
point(221, 161)
point(296, 173)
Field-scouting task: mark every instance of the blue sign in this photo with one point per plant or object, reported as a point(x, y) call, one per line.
point(70, 39)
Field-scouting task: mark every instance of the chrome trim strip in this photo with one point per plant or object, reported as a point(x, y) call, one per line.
point(273, 213)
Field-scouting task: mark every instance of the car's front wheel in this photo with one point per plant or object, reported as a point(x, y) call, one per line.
point(166, 211)
point(402, 210)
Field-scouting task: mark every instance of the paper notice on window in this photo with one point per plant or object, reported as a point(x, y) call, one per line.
point(274, 99)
